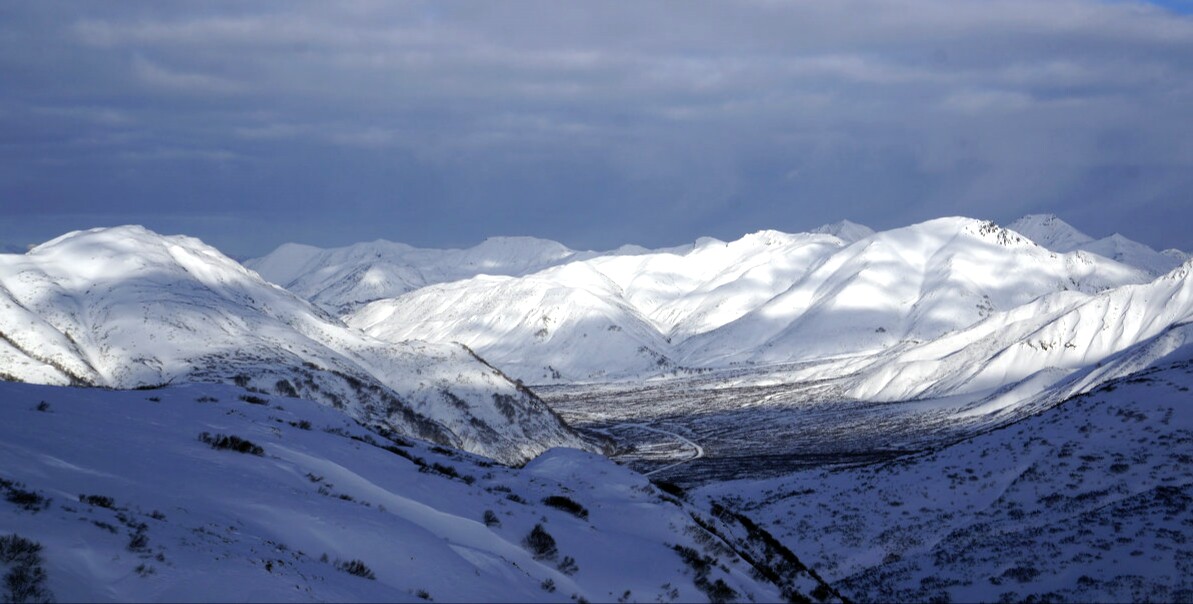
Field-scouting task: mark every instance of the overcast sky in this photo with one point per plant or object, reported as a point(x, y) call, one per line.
point(249, 124)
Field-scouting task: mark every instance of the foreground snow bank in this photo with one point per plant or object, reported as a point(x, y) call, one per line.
point(148, 495)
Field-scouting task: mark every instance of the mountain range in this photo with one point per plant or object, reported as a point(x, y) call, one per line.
point(356, 423)
point(766, 298)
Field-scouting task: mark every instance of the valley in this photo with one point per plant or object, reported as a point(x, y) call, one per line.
point(748, 430)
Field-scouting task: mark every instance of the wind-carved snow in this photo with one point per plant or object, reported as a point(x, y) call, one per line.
point(125, 308)
point(1051, 232)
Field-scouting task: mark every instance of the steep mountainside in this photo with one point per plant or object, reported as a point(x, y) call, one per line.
point(711, 283)
point(126, 308)
point(1051, 232)
point(150, 495)
point(611, 316)
point(913, 283)
point(568, 322)
point(768, 297)
point(343, 279)
point(1044, 340)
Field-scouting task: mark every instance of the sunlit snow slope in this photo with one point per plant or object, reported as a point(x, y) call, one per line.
point(126, 308)
point(343, 279)
point(768, 297)
point(1047, 339)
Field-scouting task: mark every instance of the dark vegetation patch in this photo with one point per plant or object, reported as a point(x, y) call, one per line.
point(98, 501)
point(670, 488)
point(231, 442)
point(357, 568)
point(540, 543)
point(25, 580)
point(568, 505)
point(16, 494)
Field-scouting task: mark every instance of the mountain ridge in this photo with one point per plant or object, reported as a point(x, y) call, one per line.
point(126, 308)
point(1057, 235)
point(767, 297)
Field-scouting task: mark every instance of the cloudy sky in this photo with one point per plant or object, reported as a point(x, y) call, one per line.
point(249, 124)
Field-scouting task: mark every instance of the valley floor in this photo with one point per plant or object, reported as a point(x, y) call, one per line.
point(756, 423)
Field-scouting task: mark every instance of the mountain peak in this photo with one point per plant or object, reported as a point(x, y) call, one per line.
point(122, 232)
point(845, 230)
point(769, 237)
point(1050, 232)
point(520, 240)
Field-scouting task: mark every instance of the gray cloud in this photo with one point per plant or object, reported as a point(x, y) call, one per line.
point(596, 124)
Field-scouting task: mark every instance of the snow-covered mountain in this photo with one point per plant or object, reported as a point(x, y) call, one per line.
point(1119, 248)
point(768, 297)
point(914, 283)
point(1051, 232)
point(1043, 341)
point(1047, 387)
point(568, 321)
point(343, 279)
point(611, 316)
point(1059, 236)
point(190, 493)
point(127, 308)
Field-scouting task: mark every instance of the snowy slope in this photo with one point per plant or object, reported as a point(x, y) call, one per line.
point(1132, 253)
point(1051, 232)
point(1087, 502)
point(343, 279)
point(913, 283)
point(566, 323)
point(608, 317)
point(711, 283)
point(125, 308)
point(1059, 236)
point(768, 297)
point(1049, 338)
point(129, 503)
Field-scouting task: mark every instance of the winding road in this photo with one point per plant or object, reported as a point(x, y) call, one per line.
point(697, 450)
